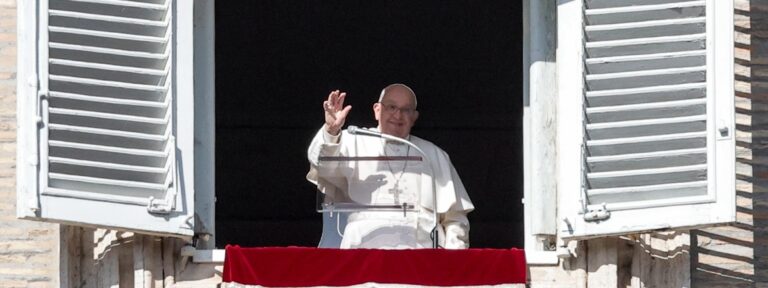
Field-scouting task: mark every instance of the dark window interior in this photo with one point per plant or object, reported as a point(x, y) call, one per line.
point(277, 60)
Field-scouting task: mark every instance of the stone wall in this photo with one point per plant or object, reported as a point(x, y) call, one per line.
point(737, 255)
point(28, 250)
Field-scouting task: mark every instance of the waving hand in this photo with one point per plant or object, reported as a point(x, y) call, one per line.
point(335, 112)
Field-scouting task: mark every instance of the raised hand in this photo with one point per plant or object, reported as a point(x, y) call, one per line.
point(335, 112)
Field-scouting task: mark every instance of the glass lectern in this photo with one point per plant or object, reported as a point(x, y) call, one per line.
point(385, 187)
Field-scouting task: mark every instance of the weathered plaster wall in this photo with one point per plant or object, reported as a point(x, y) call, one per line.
point(28, 250)
point(109, 258)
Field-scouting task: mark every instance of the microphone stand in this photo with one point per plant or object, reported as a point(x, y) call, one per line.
point(354, 130)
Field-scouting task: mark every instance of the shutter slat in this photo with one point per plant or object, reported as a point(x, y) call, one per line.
point(109, 100)
point(105, 72)
point(109, 132)
point(667, 153)
point(107, 18)
point(111, 149)
point(96, 196)
point(645, 57)
point(112, 35)
point(634, 123)
point(647, 188)
point(110, 116)
point(100, 66)
point(111, 51)
point(107, 165)
point(644, 24)
point(639, 90)
point(648, 178)
point(96, 180)
point(632, 112)
point(655, 171)
point(646, 106)
point(647, 41)
point(112, 174)
point(644, 8)
point(116, 84)
point(651, 195)
point(128, 4)
point(646, 160)
point(634, 74)
point(645, 139)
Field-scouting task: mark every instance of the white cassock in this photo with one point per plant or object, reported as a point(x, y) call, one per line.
point(391, 182)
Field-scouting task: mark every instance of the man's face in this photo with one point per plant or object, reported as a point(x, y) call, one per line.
point(396, 112)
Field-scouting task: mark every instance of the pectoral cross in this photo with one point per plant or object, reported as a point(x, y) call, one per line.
point(395, 191)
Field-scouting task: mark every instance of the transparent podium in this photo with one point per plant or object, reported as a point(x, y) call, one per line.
point(337, 209)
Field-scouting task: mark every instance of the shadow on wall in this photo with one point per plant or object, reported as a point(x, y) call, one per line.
point(735, 256)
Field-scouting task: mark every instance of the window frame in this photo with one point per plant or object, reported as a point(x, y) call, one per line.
point(205, 122)
point(539, 106)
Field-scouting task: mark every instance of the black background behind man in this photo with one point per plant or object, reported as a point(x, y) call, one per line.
point(274, 58)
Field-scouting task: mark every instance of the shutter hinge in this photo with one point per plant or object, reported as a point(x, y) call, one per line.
point(41, 95)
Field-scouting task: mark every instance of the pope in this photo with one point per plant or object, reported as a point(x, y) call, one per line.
point(401, 181)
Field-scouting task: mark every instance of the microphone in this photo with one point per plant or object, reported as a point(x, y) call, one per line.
point(354, 130)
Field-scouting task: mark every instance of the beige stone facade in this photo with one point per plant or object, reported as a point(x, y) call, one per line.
point(737, 256)
point(28, 250)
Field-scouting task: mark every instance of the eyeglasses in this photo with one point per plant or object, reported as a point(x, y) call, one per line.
point(392, 109)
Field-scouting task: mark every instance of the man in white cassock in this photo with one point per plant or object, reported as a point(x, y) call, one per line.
point(389, 182)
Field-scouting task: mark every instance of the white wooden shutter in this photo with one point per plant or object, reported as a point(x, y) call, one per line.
point(651, 89)
point(114, 109)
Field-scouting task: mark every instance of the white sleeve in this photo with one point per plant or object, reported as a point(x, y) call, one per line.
point(456, 227)
point(326, 176)
point(324, 144)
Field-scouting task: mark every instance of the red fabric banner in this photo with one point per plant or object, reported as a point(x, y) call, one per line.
point(303, 266)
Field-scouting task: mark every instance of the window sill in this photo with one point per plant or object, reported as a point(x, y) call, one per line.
point(541, 257)
point(213, 256)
